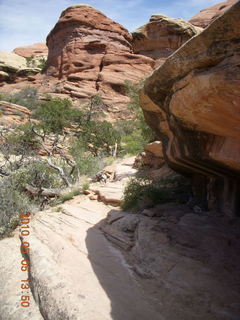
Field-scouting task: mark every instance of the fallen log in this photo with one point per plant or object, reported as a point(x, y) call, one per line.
point(43, 192)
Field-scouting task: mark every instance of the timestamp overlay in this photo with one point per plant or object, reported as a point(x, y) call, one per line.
point(25, 262)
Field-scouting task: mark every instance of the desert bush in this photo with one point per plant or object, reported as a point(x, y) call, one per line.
point(135, 133)
point(22, 140)
point(54, 115)
point(39, 63)
point(85, 186)
point(36, 173)
point(134, 106)
point(27, 97)
point(94, 109)
point(87, 163)
point(99, 137)
point(133, 143)
point(143, 192)
point(19, 113)
point(42, 64)
point(12, 203)
point(70, 195)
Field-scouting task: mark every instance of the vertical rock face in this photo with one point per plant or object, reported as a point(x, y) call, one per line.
point(92, 54)
point(193, 103)
point(161, 36)
point(207, 16)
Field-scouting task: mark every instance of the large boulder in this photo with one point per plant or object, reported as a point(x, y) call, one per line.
point(193, 103)
point(13, 66)
point(207, 16)
point(33, 50)
point(161, 36)
point(10, 61)
point(89, 53)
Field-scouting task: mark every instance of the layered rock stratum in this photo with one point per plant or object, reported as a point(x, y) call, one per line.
point(161, 36)
point(89, 53)
point(14, 68)
point(33, 50)
point(91, 261)
point(192, 102)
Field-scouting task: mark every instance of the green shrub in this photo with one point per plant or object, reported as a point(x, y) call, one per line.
point(133, 143)
point(58, 209)
point(143, 192)
point(29, 61)
point(70, 195)
point(42, 64)
point(27, 97)
point(36, 173)
point(19, 113)
point(125, 127)
point(87, 163)
point(12, 203)
point(54, 115)
point(134, 106)
point(99, 137)
point(94, 109)
point(22, 140)
point(85, 186)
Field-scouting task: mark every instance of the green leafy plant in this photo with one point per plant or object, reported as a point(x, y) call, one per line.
point(142, 192)
point(54, 115)
point(99, 137)
point(22, 140)
point(27, 97)
point(134, 106)
point(12, 203)
point(70, 195)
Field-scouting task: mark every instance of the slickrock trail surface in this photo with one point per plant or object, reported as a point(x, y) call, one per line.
point(66, 250)
point(92, 261)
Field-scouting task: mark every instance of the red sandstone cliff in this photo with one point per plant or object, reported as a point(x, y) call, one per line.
point(192, 102)
point(89, 53)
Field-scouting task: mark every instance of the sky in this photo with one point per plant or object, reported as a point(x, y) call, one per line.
point(24, 22)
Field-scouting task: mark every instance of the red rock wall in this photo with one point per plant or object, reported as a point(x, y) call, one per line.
point(193, 103)
point(89, 53)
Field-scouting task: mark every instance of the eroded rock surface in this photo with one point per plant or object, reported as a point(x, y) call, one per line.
point(14, 68)
point(89, 260)
point(192, 102)
point(152, 156)
point(92, 54)
point(33, 50)
point(207, 16)
point(189, 262)
point(161, 36)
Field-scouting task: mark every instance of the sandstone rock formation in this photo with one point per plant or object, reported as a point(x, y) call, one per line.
point(183, 256)
point(152, 156)
point(192, 102)
point(11, 113)
point(207, 16)
point(10, 63)
point(89, 53)
point(13, 66)
point(33, 50)
point(164, 261)
point(161, 36)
